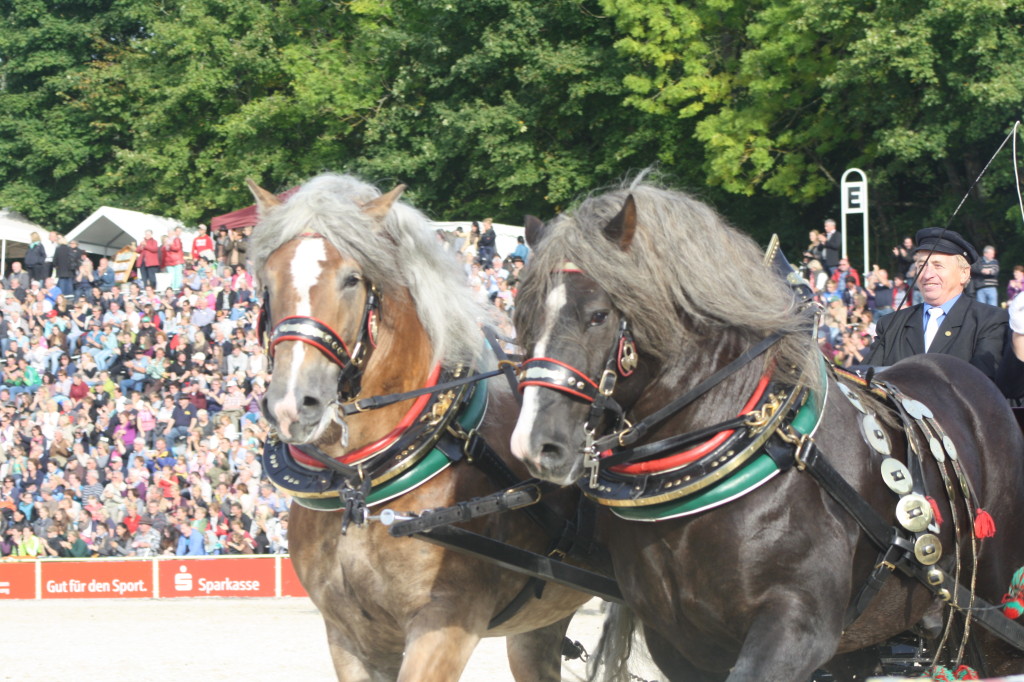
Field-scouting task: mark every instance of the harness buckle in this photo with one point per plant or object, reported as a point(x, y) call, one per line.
point(760, 418)
point(466, 449)
point(591, 460)
point(607, 383)
point(800, 454)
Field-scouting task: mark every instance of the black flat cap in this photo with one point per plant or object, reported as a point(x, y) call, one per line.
point(941, 240)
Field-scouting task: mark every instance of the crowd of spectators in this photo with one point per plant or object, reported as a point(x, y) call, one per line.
point(129, 418)
point(852, 304)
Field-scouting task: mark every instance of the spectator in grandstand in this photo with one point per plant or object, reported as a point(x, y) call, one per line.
point(26, 543)
point(169, 540)
point(173, 257)
point(278, 536)
point(73, 546)
point(120, 544)
point(181, 419)
point(146, 541)
point(190, 541)
point(238, 540)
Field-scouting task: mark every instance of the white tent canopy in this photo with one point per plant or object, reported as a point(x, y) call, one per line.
point(16, 234)
point(504, 235)
point(109, 229)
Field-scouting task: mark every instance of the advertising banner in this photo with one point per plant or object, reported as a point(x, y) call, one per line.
point(156, 578)
point(18, 580)
point(96, 579)
point(213, 577)
point(290, 585)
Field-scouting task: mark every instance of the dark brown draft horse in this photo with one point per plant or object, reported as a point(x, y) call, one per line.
point(362, 301)
point(740, 565)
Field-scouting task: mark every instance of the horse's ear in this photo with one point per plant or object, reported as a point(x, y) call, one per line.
point(622, 228)
point(379, 207)
point(534, 230)
point(264, 199)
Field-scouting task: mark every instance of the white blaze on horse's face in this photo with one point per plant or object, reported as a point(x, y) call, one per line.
point(522, 447)
point(305, 269)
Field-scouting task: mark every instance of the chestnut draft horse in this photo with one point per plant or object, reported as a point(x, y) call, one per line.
point(361, 301)
point(740, 565)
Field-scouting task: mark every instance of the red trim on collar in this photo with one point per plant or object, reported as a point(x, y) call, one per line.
point(694, 453)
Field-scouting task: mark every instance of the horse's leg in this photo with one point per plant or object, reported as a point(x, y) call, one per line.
point(536, 656)
point(437, 655)
point(348, 666)
point(787, 643)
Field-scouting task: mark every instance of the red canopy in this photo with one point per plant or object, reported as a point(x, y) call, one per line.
point(243, 217)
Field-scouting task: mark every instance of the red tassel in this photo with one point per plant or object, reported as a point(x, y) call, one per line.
point(984, 526)
point(935, 510)
point(966, 673)
point(1013, 609)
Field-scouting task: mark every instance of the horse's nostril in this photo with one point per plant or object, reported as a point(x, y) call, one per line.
point(310, 401)
point(550, 450)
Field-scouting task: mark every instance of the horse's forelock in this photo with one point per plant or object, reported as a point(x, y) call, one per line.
point(400, 251)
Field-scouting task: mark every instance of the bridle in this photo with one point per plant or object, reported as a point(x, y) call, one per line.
point(320, 335)
point(622, 360)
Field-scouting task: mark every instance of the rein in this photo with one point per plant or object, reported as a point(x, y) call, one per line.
point(379, 401)
point(638, 430)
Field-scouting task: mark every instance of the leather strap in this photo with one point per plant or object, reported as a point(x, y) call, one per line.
point(526, 562)
point(884, 535)
point(639, 429)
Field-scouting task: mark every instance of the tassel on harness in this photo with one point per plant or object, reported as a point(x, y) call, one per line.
point(984, 526)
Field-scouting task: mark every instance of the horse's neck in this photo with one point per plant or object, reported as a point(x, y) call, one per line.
point(400, 362)
point(690, 368)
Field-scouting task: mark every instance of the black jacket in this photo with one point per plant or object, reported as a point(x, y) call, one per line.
point(972, 331)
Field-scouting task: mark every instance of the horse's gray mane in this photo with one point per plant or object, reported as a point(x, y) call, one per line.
point(687, 274)
point(402, 251)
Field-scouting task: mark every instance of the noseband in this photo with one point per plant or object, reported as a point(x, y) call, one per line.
point(559, 376)
point(320, 335)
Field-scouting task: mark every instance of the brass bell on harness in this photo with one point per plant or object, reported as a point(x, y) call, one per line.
point(928, 549)
point(914, 513)
point(896, 476)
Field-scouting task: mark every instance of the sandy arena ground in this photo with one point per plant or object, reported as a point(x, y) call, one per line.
point(211, 639)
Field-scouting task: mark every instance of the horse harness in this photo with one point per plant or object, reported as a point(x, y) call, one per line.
point(773, 433)
point(439, 430)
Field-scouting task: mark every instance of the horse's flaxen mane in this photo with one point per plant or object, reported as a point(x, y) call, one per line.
point(401, 252)
point(686, 273)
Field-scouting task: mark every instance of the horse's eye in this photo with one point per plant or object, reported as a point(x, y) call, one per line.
point(352, 281)
point(598, 318)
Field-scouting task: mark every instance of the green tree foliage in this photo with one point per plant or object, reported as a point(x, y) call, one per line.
point(221, 90)
point(787, 94)
point(52, 151)
point(504, 107)
point(501, 107)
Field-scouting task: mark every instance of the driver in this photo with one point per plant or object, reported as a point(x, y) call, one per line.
point(950, 322)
